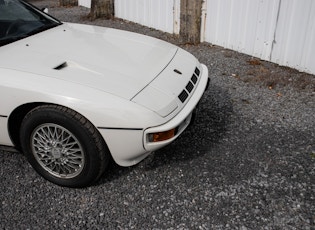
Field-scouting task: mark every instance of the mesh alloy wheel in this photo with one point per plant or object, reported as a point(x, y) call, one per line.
point(57, 150)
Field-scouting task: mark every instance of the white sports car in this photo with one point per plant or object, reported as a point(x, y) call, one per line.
point(73, 95)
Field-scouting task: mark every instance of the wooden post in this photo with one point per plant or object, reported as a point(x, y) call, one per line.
point(102, 8)
point(68, 2)
point(190, 21)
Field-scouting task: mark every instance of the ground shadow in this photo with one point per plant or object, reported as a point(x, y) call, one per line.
point(209, 127)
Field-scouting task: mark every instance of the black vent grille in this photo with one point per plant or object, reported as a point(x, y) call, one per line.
point(194, 79)
point(190, 86)
point(197, 71)
point(183, 96)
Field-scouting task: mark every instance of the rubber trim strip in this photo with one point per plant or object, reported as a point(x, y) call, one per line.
point(120, 128)
point(3, 116)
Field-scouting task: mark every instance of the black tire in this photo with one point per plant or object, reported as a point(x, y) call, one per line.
point(63, 146)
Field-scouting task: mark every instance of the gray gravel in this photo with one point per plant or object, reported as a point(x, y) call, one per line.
point(247, 163)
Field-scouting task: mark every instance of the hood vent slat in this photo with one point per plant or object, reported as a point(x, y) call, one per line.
point(61, 66)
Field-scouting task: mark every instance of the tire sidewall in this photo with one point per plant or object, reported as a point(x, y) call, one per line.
point(91, 157)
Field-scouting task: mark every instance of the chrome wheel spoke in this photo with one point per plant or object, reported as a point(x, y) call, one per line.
point(75, 152)
point(57, 150)
point(73, 163)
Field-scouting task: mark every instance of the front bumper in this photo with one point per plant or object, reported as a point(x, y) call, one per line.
point(128, 147)
point(182, 119)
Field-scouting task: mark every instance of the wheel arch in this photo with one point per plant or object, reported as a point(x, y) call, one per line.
point(15, 121)
point(17, 116)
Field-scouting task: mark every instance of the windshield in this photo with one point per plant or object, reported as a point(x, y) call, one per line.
point(19, 19)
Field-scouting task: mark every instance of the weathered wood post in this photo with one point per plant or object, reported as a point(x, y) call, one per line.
point(102, 8)
point(68, 2)
point(190, 21)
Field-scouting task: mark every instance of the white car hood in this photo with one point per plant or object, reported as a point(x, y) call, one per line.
point(117, 62)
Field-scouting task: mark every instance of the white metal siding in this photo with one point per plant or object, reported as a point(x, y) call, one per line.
point(281, 31)
point(243, 25)
point(158, 14)
point(86, 3)
point(295, 35)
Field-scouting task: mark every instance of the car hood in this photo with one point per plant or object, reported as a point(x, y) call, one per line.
point(114, 61)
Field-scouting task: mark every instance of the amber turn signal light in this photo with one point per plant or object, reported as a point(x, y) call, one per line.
point(162, 136)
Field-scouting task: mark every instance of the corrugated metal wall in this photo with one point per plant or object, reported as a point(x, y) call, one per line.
point(159, 14)
point(281, 31)
point(295, 35)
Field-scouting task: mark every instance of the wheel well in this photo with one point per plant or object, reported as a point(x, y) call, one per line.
point(15, 121)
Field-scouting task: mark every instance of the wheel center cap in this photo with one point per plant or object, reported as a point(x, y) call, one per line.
point(56, 153)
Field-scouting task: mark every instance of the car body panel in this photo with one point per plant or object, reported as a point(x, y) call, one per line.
point(132, 60)
point(22, 88)
point(169, 85)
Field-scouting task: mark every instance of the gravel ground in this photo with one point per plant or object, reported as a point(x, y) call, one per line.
point(247, 163)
